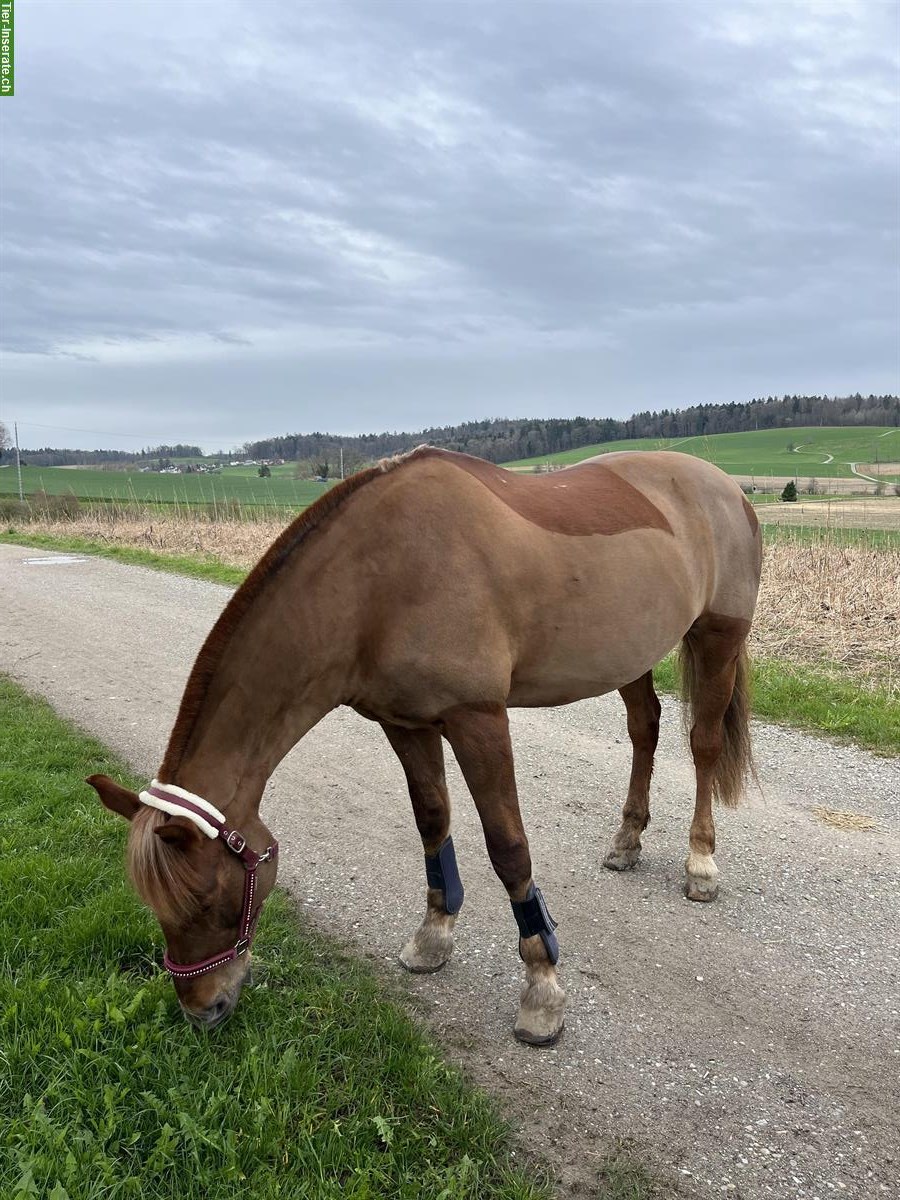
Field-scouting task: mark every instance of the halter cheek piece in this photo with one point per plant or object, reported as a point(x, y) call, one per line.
point(180, 803)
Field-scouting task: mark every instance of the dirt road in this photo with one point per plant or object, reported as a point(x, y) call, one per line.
point(751, 1046)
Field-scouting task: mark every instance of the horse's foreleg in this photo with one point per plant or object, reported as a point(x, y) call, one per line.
point(481, 743)
point(643, 709)
point(421, 755)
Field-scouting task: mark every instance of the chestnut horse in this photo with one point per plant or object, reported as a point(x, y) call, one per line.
point(431, 593)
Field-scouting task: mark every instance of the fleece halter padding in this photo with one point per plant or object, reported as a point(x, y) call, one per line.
point(178, 802)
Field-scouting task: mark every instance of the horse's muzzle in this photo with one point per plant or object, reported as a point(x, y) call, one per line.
point(214, 1014)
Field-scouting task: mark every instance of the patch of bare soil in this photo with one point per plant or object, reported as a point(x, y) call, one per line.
point(890, 468)
point(850, 486)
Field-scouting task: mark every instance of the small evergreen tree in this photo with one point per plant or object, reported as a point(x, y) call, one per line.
point(790, 491)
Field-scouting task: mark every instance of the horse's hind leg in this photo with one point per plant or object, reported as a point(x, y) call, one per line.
point(643, 709)
point(421, 755)
point(480, 741)
point(714, 661)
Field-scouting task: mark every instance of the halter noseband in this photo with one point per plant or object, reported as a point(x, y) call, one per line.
point(180, 803)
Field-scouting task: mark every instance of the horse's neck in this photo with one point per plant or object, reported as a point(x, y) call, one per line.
point(231, 755)
point(279, 672)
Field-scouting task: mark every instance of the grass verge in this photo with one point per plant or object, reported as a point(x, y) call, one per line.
point(198, 567)
point(317, 1088)
point(813, 700)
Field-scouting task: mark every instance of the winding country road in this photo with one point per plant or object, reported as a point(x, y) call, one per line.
point(750, 1048)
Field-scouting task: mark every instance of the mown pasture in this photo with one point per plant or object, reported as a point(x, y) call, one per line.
point(818, 452)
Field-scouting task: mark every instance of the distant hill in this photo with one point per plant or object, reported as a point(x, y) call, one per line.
point(818, 452)
point(504, 440)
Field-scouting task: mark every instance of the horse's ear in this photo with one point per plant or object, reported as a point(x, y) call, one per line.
point(115, 797)
point(179, 832)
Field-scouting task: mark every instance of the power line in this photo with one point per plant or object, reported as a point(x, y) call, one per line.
point(97, 432)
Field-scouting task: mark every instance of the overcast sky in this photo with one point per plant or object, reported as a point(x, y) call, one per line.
point(226, 220)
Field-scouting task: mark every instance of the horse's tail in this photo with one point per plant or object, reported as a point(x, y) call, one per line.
point(736, 759)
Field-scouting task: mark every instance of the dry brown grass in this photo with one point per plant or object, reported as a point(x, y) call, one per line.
point(821, 603)
point(234, 542)
point(827, 603)
point(842, 819)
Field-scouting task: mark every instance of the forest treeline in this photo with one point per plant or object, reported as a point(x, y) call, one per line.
point(507, 440)
point(49, 456)
point(504, 440)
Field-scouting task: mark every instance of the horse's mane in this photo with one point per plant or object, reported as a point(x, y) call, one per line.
point(262, 574)
point(163, 877)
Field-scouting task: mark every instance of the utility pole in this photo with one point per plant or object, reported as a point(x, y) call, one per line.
point(342, 462)
point(18, 462)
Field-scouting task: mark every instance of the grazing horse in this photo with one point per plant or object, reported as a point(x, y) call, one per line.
point(431, 593)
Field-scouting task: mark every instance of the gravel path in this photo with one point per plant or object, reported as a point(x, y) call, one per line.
point(752, 1046)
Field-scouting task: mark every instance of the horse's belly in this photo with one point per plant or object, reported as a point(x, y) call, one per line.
point(569, 673)
point(594, 645)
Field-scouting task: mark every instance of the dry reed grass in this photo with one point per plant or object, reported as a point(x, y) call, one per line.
point(232, 541)
point(821, 603)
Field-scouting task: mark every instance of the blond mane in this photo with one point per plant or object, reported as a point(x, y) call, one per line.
point(164, 878)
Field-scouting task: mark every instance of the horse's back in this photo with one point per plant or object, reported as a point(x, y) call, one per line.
point(568, 584)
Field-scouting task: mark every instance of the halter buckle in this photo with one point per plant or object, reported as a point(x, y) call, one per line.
point(235, 841)
point(242, 945)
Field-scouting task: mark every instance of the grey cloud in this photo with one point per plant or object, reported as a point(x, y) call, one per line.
point(668, 200)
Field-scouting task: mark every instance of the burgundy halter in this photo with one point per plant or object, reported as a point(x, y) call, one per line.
point(178, 802)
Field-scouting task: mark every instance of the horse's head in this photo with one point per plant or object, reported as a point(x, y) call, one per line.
point(204, 883)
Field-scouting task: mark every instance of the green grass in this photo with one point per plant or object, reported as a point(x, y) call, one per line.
point(833, 535)
point(318, 1087)
point(235, 485)
point(814, 700)
point(195, 566)
point(764, 452)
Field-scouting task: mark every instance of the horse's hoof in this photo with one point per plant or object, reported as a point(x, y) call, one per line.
point(702, 890)
point(425, 955)
point(538, 1039)
point(415, 968)
point(542, 1011)
point(621, 860)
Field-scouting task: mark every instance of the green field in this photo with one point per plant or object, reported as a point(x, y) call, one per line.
point(237, 485)
point(764, 452)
